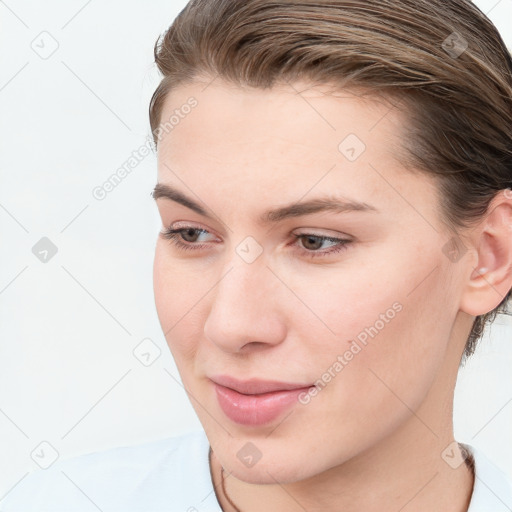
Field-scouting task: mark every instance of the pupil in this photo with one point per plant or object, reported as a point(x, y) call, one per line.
point(314, 241)
point(190, 232)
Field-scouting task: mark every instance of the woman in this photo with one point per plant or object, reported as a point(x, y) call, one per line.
point(334, 187)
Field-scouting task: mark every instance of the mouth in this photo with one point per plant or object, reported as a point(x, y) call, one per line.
point(256, 402)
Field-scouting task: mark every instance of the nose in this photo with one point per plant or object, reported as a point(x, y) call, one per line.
point(246, 312)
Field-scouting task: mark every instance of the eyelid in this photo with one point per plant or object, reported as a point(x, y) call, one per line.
point(173, 235)
point(319, 233)
point(306, 230)
point(176, 226)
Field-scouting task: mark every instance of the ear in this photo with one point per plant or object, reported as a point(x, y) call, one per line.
point(491, 279)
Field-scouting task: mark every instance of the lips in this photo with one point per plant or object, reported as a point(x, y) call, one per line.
point(255, 402)
point(256, 386)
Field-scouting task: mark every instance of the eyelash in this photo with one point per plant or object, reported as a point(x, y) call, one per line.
point(173, 234)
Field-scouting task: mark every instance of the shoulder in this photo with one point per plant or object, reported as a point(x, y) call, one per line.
point(492, 488)
point(163, 475)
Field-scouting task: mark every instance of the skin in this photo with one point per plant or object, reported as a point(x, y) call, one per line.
point(372, 439)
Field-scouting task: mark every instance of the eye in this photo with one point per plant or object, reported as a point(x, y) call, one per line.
point(181, 237)
point(185, 238)
point(312, 241)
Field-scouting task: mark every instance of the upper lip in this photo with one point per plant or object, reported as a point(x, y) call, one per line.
point(255, 386)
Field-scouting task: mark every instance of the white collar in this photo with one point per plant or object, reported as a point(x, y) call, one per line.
point(492, 490)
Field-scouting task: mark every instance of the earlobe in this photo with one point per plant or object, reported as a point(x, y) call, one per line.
point(491, 279)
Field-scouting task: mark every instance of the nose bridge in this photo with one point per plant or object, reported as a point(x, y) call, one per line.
point(246, 274)
point(242, 288)
point(244, 306)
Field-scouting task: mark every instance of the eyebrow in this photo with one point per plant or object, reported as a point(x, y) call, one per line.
point(320, 204)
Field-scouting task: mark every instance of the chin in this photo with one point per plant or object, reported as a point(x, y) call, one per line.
point(263, 474)
point(278, 467)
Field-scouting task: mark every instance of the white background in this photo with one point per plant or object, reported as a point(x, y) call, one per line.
point(68, 327)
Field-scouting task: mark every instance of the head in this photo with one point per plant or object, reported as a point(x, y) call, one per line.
point(402, 111)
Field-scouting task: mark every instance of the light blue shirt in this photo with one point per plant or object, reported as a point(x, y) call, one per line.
point(173, 475)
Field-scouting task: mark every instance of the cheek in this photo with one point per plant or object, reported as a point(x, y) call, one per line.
point(178, 297)
point(389, 346)
point(164, 288)
point(391, 320)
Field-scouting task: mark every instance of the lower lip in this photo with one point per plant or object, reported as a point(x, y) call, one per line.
point(255, 409)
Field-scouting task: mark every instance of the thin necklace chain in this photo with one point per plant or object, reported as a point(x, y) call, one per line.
point(225, 493)
point(222, 484)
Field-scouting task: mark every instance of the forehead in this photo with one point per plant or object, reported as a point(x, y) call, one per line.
point(293, 122)
point(288, 140)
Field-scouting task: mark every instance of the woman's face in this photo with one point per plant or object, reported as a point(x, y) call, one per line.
point(368, 319)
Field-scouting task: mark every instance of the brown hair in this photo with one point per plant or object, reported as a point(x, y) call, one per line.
point(444, 58)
